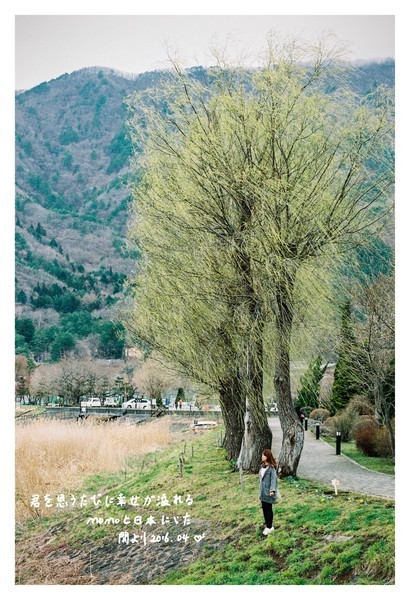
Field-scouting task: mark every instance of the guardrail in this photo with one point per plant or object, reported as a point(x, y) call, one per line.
point(78, 412)
point(74, 411)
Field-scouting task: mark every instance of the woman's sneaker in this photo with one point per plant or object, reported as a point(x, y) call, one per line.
point(265, 531)
point(269, 530)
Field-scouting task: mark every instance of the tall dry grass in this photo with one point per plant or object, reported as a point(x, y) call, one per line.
point(54, 456)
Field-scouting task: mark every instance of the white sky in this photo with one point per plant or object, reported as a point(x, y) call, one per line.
point(48, 46)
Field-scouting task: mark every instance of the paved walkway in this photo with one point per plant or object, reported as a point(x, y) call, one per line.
point(319, 463)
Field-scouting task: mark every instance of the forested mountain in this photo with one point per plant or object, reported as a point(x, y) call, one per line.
point(72, 174)
point(72, 193)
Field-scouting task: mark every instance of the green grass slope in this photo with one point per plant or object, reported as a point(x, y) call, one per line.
point(319, 538)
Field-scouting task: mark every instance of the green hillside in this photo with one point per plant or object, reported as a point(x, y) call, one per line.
point(72, 194)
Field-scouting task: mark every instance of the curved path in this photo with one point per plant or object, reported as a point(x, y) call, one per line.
point(319, 463)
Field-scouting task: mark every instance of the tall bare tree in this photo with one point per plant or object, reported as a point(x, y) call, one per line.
point(375, 335)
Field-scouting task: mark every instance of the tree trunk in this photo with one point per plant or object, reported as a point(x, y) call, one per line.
point(233, 411)
point(390, 433)
point(292, 430)
point(378, 402)
point(382, 410)
point(256, 439)
point(257, 435)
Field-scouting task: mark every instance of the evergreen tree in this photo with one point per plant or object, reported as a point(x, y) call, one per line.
point(309, 393)
point(158, 398)
point(25, 327)
point(21, 297)
point(43, 338)
point(112, 340)
point(180, 396)
point(344, 385)
point(40, 231)
point(20, 345)
point(79, 323)
point(62, 344)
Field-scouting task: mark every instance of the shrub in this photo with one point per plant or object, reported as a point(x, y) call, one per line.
point(306, 410)
point(320, 414)
point(361, 405)
point(363, 423)
point(343, 422)
point(371, 439)
point(382, 444)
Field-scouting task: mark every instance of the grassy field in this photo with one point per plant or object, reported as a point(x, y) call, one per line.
point(319, 538)
point(374, 463)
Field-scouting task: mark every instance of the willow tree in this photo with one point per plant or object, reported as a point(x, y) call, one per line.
point(177, 312)
point(278, 167)
point(195, 284)
point(183, 299)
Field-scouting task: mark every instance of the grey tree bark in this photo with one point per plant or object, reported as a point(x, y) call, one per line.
point(292, 430)
point(233, 412)
point(257, 435)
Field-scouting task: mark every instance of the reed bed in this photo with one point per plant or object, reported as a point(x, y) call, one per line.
point(55, 456)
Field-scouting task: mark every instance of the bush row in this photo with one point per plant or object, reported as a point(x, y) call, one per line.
point(355, 422)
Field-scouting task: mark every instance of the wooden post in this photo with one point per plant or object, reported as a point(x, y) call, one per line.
point(180, 465)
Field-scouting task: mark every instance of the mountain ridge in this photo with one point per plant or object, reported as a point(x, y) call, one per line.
point(73, 188)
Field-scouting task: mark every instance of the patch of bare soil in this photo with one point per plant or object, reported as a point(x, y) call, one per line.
point(42, 560)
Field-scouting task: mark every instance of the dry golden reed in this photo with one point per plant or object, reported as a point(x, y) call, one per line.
point(55, 456)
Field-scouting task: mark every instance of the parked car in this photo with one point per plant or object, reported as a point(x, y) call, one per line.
point(91, 402)
point(111, 402)
point(274, 408)
point(143, 404)
point(201, 425)
point(129, 404)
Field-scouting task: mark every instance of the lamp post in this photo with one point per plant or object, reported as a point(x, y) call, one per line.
point(338, 442)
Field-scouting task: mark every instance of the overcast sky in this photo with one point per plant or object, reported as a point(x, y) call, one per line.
point(48, 46)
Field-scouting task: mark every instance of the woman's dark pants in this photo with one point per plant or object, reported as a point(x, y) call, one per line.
point(268, 514)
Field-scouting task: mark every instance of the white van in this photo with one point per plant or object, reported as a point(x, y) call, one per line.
point(91, 402)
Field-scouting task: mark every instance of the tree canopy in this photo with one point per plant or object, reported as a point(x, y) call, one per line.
point(253, 180)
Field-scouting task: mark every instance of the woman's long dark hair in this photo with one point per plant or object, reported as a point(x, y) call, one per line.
point(271, 459)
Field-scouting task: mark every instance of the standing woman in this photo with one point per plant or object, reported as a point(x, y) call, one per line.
point(267, 488)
